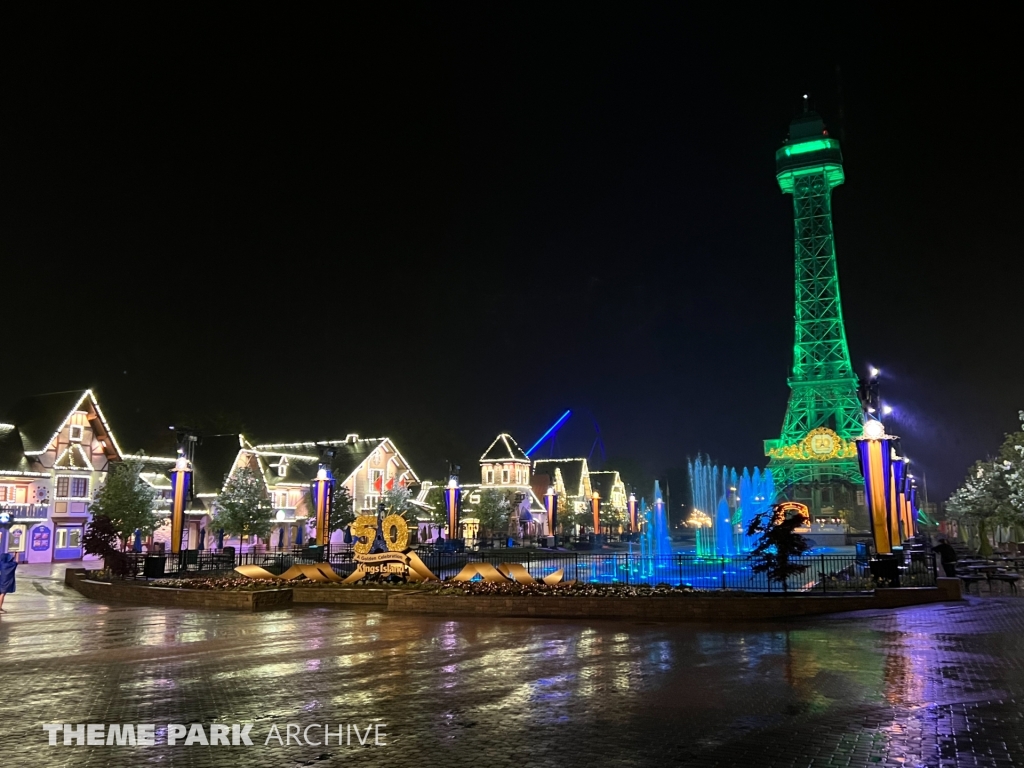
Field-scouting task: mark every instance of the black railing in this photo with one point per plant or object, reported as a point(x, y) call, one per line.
point(822, 573)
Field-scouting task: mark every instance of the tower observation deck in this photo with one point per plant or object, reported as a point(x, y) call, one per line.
point(814, 460)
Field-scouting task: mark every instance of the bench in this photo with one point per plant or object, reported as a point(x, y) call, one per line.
point(1006, 578)
point(969, 579)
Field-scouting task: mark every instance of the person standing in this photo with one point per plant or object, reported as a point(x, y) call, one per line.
point(947, 556)
point(7, 567)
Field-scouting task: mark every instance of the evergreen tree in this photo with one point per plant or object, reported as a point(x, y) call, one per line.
point(438, 513)
point(341, 514)
point(777, 542)
point(493, 512)
point(398, 500)
point(243, 507)
point(126, 501)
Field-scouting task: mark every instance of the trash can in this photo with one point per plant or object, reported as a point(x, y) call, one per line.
point(886, 570)
point(863, 552)
point(153, 567)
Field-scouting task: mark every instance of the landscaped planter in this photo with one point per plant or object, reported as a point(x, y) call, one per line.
point(577, 602)
point(142, 593)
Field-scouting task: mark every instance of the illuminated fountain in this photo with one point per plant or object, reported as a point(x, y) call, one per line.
point(724, 503)
point(655, 543)
point(654, 538)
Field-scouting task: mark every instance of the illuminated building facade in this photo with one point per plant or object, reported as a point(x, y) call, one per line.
point(505, 467)
point(55, 451)
point(365, 467)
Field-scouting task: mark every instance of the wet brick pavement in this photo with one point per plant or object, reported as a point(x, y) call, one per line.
point(938, 685)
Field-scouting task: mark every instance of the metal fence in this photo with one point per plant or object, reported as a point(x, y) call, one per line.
point(822, 573)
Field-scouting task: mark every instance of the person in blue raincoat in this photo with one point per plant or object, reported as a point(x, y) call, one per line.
point(7, 566)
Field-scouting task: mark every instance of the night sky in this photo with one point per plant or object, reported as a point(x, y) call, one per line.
point(444, 221)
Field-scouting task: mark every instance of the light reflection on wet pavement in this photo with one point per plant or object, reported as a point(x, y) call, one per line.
point(937, 685)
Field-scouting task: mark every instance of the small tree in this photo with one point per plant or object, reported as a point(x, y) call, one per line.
point(126, 501)
point(777, 542)
point(341, 509)
point(398, 500)
point(438, 512)
point(243, 508)
point(493, 511)
point(102, 539)
point(984, 500)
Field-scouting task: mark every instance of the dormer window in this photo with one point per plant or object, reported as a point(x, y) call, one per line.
point(282, 467)
point(75, 433)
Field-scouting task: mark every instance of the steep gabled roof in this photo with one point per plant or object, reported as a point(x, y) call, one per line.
point(12, 452)
point(214, 459)
point(298, 468)
point(40, 418)
point(604, 482)
point(572, 471)
point(349, 454)
point(504, 448)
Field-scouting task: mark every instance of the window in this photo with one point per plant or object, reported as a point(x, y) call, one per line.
point(490, 476)
point(504, 476)
point(373, 475)
point(17, 539)
point(63, 484)
point(79, 487)
point(282, 499)
point(8, 493)
point(282, 467)
point(371, 501)
point(75, 432)
point(69, 538)
point(519, 476)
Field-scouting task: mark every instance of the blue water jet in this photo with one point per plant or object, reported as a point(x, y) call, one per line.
point(724, 503)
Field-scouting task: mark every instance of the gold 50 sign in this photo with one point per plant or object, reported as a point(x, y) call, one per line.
point(394, 531)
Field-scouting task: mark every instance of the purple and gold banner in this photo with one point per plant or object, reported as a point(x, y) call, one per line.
point(323, 493)
point(551, 505)
point(181, 477)
point(906, 513)
point(453, 506)
point(898, 520)
point(876, 466)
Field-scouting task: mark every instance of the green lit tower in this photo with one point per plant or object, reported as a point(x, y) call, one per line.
point(815, 461)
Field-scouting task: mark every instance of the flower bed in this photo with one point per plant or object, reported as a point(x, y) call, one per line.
point(229, 584)
point(576, 589)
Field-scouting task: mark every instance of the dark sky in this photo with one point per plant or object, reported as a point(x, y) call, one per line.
point(445, 220)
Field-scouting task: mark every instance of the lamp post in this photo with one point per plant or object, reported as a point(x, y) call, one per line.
point(631, 505)
point(874, 450)
point(595, 504)
point(551, 505)
point(322, 491)
point(181, 477)
point(453, 505)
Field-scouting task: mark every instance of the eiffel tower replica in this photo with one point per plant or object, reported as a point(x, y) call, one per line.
point(814, 461)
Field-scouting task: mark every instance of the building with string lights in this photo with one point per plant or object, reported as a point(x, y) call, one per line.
point(56, 450)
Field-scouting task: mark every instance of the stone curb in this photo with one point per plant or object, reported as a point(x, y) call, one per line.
point(732, 607)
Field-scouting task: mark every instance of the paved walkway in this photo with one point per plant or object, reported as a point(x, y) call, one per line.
point(939, 685)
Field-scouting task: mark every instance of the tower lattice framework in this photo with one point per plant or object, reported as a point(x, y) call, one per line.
point(824, 412)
